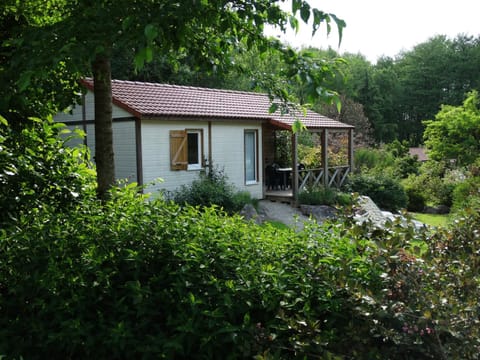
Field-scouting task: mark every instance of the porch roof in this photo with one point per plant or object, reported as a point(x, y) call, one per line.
point(152, 100)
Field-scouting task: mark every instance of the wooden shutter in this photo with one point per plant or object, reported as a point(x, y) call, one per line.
point(178, 150)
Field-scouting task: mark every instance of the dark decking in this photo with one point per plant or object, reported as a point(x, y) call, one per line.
point(283, 196)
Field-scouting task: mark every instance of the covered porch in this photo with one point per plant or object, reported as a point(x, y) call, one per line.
point(288, 170)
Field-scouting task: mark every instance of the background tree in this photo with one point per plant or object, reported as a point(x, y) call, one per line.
point(455, 132)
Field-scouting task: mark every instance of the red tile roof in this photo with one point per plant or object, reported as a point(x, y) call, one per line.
point(419, 152)
point(151, 100)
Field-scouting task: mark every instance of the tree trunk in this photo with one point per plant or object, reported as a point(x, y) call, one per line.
point(104, 158)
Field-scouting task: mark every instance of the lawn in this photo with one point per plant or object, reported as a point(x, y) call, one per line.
point(431, 219)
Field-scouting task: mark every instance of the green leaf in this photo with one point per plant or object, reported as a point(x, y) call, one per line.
point(305, 12)
point(296, 5)
point(151, 32)
point(140, 58)
point(298, 126)
point(294, 23)
point(24, 81)
point(341, 24)
point(3, 120)
point(273, 107)
point(148, 54)
point(126, 23)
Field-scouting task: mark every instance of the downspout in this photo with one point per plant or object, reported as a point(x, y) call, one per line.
point(84, 120)
point(210, 159)
point(139, 155)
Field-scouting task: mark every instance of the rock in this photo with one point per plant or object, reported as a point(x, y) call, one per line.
point(440, 209)
point(250, 213)
point(319, 212)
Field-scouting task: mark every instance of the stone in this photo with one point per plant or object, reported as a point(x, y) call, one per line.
point(319, 212)
point(250, 213)
point(440, 209)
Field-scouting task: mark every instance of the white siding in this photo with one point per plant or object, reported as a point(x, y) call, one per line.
point(76, 113)
point(227, 153)
point(125, 151)
point(124, 148)
point(156, 154)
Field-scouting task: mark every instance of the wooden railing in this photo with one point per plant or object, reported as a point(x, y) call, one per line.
point(336, 176)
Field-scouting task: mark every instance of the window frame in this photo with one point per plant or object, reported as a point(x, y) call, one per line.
point(199, 164)
point(255, 156)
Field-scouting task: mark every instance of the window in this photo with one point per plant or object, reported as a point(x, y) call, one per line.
point(194, 145)
point(186, 149)
point(251, 156)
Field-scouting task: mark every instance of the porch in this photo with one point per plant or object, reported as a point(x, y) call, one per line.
point(320, 171)
point(307, 178)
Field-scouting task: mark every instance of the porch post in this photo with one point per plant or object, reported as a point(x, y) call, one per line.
point(325, 156)
point(295, 168)
point(350, 150)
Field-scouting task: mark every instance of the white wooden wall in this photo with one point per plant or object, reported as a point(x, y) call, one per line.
point(76, 111)
point(124, 148)
point(227, 153)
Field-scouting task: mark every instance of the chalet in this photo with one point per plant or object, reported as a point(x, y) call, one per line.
point(173, 132)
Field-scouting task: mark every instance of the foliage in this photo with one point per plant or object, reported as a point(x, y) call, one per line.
point(320, 195)
point(406, 165)
point(39, 170)
point(416, 199)
point(371, 158)
point(435, 182)
point(384, 190)
point(455, 134)
point(149, 279)
point(466, 193)
point(211, 188)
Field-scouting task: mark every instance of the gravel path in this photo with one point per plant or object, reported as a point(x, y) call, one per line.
point(293, 217)
point(281, 212)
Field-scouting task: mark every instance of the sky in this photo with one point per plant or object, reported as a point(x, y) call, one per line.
point(378, 28)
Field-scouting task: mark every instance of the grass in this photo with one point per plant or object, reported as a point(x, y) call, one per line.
point(431, 219)
point(277, 224)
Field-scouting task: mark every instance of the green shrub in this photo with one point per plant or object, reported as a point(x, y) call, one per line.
point(416, 199)
point(435, 182)
point(212, 188)
point(147, 279)
point(385, 191)
point(368, 158)
point(37, 169)
point(406, 165)
point(136, 279)
point(466, 193)
point(320, 195)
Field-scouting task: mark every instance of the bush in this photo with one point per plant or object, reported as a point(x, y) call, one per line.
point(466, 193)
point(37, 169)
point(368, 158)
point(416, 199)
point(212, 188)
point(320, 195)
point(136, 279)
point(406, 165)
point(385, 191)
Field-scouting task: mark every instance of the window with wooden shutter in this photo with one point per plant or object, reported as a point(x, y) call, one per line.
point(178, 150)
